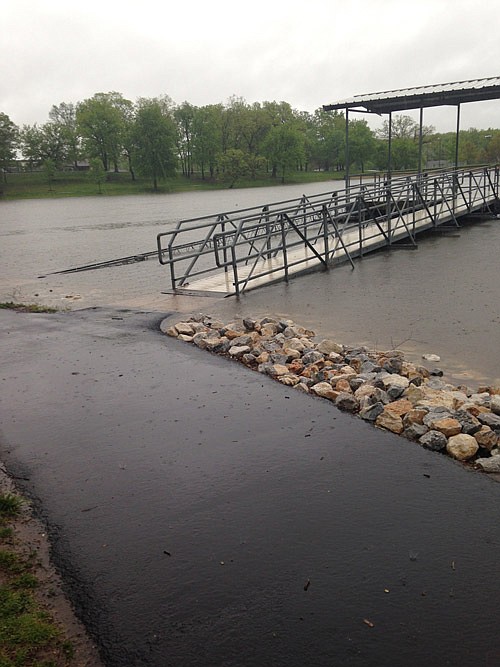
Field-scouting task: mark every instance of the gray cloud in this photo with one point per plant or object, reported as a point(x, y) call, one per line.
point(307, 53)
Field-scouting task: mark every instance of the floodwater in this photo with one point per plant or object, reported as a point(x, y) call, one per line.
point(203, 515)
point(443, 298)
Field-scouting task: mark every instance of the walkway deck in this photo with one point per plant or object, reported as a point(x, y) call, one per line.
point(230, 253)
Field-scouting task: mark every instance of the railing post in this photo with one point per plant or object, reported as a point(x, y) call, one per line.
point(304, 218)
point(223, 229)
point(171, 266)
point(235, 270)
point(325, 232)
point(283, 244)
point(360, 226)
point(268, 232)
point(435, 203)
point(389, 213)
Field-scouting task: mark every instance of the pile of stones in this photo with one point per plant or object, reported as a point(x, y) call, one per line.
point(381, 387)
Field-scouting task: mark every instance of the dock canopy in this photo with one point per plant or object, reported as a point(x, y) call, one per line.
point(421, 97)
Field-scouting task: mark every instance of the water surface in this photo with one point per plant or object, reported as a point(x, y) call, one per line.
point(443, 298)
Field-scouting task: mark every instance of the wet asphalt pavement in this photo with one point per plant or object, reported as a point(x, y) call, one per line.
point(204, 515)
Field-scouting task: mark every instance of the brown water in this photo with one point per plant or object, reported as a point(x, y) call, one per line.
point(443, 298)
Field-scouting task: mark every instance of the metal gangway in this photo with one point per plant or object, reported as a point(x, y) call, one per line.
point(229, 253)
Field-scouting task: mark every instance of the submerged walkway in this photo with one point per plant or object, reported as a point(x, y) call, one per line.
point(232, 252)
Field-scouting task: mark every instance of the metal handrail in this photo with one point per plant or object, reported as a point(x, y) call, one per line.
point(330, 227)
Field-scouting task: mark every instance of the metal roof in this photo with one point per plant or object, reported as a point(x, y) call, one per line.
point(475, 90)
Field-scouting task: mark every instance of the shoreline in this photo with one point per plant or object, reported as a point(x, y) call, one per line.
point(380, 387)
point(31, 537)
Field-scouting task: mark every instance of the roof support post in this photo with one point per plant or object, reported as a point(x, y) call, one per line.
point(389, 156)
point(420, 137)
point(347, 157)
point(457, 136)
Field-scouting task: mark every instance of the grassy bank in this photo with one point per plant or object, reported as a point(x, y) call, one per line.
point(29, 637)
point(78, 184)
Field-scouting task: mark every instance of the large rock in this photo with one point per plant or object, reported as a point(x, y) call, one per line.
point(414, 431)
point(447, 426)
point(296, 366)
point(490, 465)
point(468, 422)
point(200, 340)
point(489, 419)
point(289, 379)
point(394, 384)
point(184, 328)
point(390, 421)
point(343, 385)
point(374, 393)
point(495, 404)
point(217, 343)
point(291, 353)
point(399, 408)
point(238, 351)
point(486, 438)
point(462, 447)
point(328, 346)
point(325, 390)
point(275, 370)
point(312, 357)
point(347, 402)
point(430, 398)
point(372, 411)
point(414, 416)
point(433, 440)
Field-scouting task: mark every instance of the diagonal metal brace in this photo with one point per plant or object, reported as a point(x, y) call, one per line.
point(304, 238)
point(338, 234)
point(374, 219)
point(400, 217)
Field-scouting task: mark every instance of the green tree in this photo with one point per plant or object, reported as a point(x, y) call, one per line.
point(328, 139)
point(361, 143)
point(9, 135)
point(206, 137)
point(154, 140)
point(184, 115)
point(284, 148)
point(491, 149)
point(45, 142)
point(30, 142)
point(96, 173)
point(49, 169)
point(63, 117)
point(102, 122)
point(234, 165)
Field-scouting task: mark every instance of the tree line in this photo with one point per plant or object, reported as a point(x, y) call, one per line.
point(156, 138)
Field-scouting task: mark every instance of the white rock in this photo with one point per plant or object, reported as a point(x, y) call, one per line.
point(239, 350)
point(462, 447)
point(431, 357)
point(327, 346)
point(184, 328)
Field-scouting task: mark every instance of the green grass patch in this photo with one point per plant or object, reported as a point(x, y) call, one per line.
point(10, 504)
point(6, 532)
point(26, 308)
point(34, 185)
point(28, 635)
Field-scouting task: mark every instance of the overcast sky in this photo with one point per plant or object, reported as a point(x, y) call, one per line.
point(306, 52)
